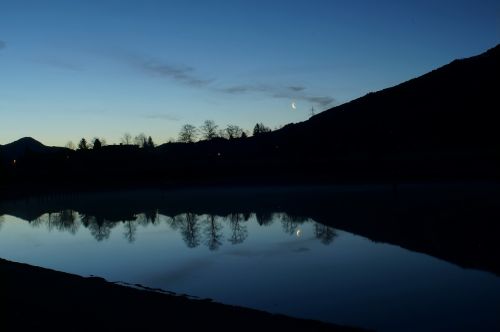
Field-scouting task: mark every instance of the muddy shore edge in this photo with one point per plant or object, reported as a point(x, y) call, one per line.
point(34, 298)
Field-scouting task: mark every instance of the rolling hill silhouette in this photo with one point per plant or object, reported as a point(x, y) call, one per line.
point(432, 109)
point(440, 125)
point(445, 115)
point(24, 146)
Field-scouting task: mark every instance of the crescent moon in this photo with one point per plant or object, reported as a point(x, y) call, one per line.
point(294, 106)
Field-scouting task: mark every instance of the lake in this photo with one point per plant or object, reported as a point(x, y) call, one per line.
point(390, 259)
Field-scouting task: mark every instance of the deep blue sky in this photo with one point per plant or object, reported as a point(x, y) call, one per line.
point(72, 69)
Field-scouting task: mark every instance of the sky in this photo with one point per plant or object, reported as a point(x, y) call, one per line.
point(73, 69)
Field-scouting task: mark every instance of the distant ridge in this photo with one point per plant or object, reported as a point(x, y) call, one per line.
point(25, 145)
point(27, 142)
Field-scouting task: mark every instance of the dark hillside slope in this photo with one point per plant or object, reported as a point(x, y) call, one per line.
point(447, 114)
point(450, 106)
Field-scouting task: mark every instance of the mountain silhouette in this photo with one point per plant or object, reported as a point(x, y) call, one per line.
point(25, 146)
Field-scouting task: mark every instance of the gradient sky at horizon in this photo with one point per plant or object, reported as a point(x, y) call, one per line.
point(72, 69)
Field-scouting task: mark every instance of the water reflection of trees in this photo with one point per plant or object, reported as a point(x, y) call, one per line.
point(190, 230)
point(239, 231)
point(324, 233)
point(264, 218)
point(130, 228)
point(65, 220)
point(213, 232)
point(207, 229)
point(99, 227)
point(291, 222)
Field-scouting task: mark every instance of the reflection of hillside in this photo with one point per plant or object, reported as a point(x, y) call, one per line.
point(456, 223)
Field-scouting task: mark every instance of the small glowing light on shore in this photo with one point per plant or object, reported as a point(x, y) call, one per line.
point(298, 232)
point(14, 161)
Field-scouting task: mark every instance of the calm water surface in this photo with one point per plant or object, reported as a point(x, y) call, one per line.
point(274, 261)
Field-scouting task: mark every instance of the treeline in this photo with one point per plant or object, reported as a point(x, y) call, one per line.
point(188, 133)
point(210, 130)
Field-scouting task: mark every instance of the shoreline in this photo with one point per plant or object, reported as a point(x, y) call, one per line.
point(37, 298)
point(22, 191)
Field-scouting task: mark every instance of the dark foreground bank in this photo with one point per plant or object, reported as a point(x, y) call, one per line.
point(34, 298)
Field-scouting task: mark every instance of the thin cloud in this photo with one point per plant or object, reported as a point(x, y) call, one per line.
point(323, 101)
point(180, 73)
point(2, 44)
point(239, 89)
point(296, 88)
point(289, 92)
point(162, 116)
point(236, 89)
point(187, 75)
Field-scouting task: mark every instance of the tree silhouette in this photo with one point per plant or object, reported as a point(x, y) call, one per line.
point(187, 134)
point(126, 139)
point(208, 130)
point(222, 133)
point(233, 131)
point(150, 143)
point(141, 140)
point(70, 145)
point(96, 144)
point(83, 144)
point(260, 129)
